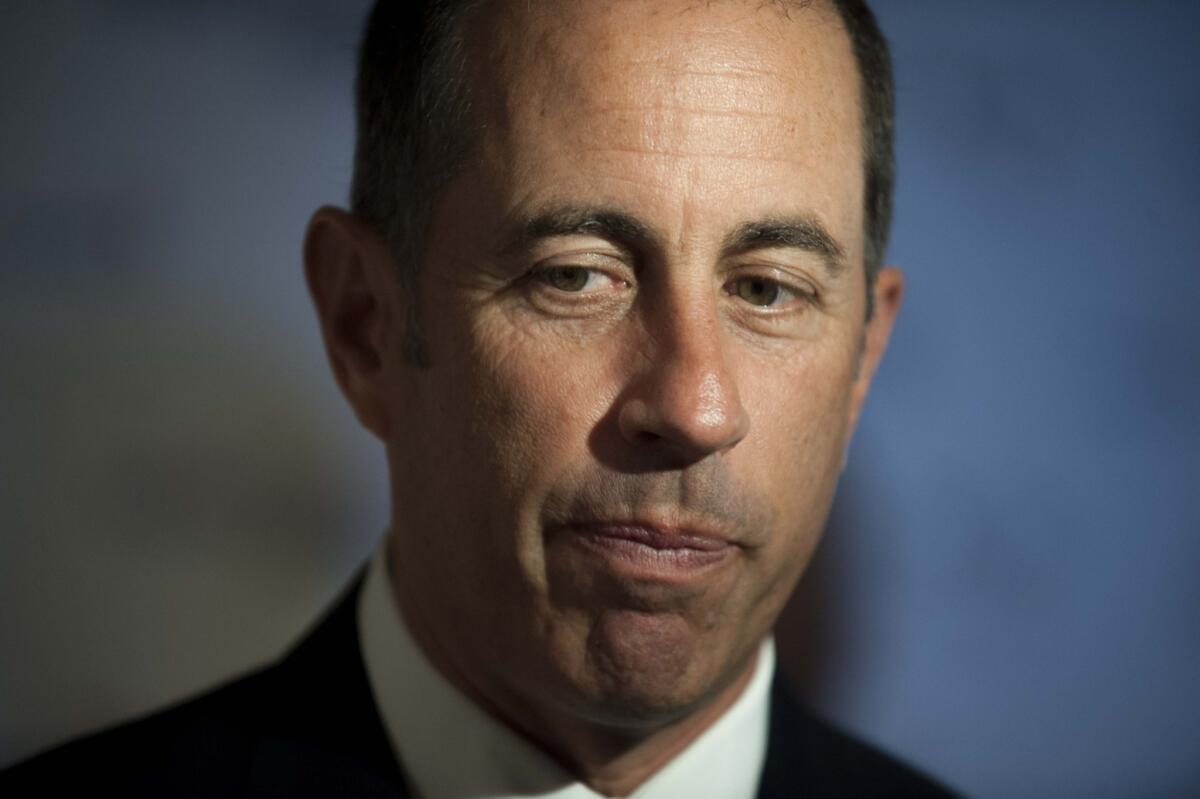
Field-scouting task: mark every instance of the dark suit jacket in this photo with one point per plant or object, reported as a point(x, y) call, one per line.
point(307, 726)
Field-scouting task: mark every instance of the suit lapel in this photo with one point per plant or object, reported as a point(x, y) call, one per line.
point(781, 775)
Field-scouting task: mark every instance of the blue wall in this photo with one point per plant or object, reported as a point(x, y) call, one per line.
point(1027, 547)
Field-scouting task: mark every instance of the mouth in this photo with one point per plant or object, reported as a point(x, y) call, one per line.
point(653, 552)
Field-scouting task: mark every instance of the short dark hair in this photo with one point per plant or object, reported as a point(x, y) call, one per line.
point(412, 103)
point(878, 99)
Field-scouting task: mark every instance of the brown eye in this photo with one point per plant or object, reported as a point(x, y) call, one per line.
point(567, 278)
point(758, 291)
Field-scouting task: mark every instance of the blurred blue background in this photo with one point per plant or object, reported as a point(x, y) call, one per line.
point(1009, 593)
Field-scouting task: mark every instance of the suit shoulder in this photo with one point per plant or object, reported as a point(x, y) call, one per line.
point(854, 767)
point(199, 746)
point(808, 756)
point(303, 726)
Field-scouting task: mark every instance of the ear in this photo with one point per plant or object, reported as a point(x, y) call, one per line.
point(352, 282)
point(887, 292)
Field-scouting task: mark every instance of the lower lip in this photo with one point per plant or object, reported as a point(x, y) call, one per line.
point(653, 561)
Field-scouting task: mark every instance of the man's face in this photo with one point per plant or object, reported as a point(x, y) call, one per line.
point(643, 304)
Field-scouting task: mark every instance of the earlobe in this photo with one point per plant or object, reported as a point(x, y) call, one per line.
point(345, 266)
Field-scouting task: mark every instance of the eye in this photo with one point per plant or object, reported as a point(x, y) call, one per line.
point(763, 292)
point(578, 285)
point(575, 279)
point(758, 291)
point(567, 278)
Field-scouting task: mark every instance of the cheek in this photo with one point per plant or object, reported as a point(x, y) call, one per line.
point(795, 455)
point(799, 424)
point(536, 399)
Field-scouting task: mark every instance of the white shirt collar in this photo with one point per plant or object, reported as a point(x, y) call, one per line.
point(449, 747)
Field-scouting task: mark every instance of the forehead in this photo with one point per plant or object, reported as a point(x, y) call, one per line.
point(701, 102)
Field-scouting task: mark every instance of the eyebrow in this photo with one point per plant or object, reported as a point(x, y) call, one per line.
point(616, 226)
point(799, 232)
point(627, 231)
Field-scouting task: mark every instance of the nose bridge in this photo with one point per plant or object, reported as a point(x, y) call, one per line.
point(691, 363)
point(688, 398)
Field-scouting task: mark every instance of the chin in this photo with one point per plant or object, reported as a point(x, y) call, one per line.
point(645, 670)
point(639, 706)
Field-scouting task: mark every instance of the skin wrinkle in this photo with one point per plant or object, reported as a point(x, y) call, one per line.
point(610, 178)
point(739, 113)
point(724, 71)
point(678, 154)
point(736, 144)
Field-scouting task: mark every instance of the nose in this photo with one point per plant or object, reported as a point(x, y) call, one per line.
point(685, 404)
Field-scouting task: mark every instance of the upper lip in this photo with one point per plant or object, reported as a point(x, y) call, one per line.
point(689, 535)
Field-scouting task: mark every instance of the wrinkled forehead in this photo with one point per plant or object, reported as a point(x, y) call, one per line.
point(745, 91)
point(746, 56)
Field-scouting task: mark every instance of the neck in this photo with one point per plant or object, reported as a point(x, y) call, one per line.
point(614, 761)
